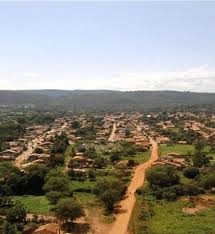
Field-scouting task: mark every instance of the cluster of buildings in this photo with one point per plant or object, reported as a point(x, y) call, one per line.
point(128, 127)
point(172, 159)
point(20, 145)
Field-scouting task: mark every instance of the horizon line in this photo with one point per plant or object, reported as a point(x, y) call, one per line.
point(111, 90)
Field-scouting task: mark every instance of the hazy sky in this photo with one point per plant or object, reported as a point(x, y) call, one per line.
point(123, 46)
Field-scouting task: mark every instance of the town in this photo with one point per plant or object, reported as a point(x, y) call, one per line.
point(79, 156)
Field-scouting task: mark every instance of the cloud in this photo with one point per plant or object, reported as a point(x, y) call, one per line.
point(194, 79)
point(31, 75)
point(200, 79)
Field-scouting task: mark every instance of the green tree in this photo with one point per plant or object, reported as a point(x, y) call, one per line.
point(110, 191)
point(75, 124)
point(199, 159)
point(162, 176)
point(208, 181)
point(199, 144)
point(191, 172)
point(68, 209)
point(16, 213)
point(9, 228)
point(56, 188)
point(38, 150)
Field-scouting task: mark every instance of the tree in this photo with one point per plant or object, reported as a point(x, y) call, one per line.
point(38, 150)
point(127, 132)
point(16, 213)
point(211, 142)
point(68, 209)
point(162, 176)
point(199, 159)
point(100, 162)
point(9, 228)
point(199, 144)
point(208, 181)
point(54, 196)
point(91, 175)
point(110, 191)
point(34, 180)
point(56, 187)
point(91, 152)
point(75, 124)
point(115, 156)
point(191, 172)
point(57, 184)
point(109, 198)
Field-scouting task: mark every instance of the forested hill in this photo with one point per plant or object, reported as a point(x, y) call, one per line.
point(104, 99)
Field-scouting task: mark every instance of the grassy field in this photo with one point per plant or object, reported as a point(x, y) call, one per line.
point(87, 199)
point(181, 149)
point(86, 184)
point(168, 218)
point(140, 157)
point(35, 204)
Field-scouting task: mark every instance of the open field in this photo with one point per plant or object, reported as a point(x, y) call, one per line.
point(168, 218)
point(140, 157)
point(35, 204)
point(181, 149)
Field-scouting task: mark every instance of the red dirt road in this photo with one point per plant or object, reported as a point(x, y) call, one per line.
point(112, 135)
point(120, 226)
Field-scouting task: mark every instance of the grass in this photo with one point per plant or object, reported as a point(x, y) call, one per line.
point(181, 149)
point(168, 218)
point(87, 199)
point(86, 184)
point(139, 158)
point(35, 204)
point(174, 129)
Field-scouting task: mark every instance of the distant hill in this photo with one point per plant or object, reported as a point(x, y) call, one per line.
point(105, 99)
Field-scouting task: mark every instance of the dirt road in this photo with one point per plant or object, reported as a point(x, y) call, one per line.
point(112, 135)
point(120, 226)
point(30, 148)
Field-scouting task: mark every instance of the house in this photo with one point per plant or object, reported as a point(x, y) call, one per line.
point(164, 140)
point(51, 228)
point(171, 159)
point(8, 153)
point(6, 158)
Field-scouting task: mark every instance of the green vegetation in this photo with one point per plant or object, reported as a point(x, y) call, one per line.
point(68, 209)
point(159, 209)
point(168, 217)
point(34, 204)
point(181, 149)
point(110, 192)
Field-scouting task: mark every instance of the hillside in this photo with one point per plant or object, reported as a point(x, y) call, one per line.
point(103, 99)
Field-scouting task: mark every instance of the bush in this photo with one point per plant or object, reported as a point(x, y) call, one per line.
point(38, 150)
point(162, 176)
point(208, 181)
point(110, 191)
point(68, 209)
point(191, 172)
point(192, 190)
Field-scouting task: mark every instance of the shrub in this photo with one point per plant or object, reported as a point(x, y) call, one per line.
point(162, 176)
point(208, 181)
point(191, 172)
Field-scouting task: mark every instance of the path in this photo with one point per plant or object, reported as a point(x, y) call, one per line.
point(112, 135)
point(33, 144)
point(120, 226)
point(30, 148)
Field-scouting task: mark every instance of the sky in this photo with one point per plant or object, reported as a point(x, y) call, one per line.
point(108, 45)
